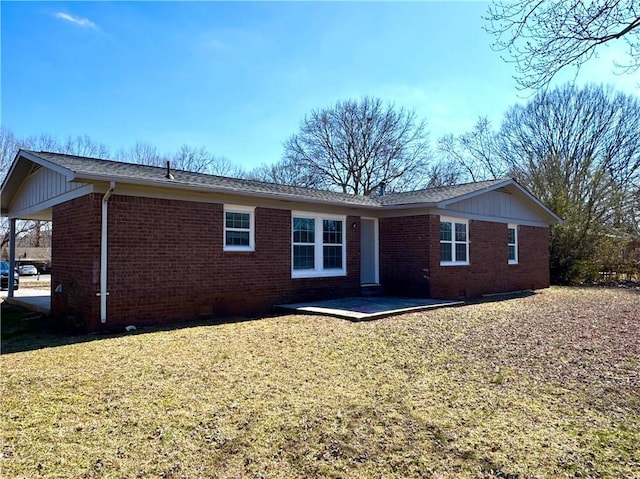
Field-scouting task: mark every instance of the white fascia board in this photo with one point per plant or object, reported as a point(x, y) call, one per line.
point(492, 219)
point(539, 203)
point(219, 190)
point(320, 201)
point(69, 174)
point(407, 206)
point(69, 195)
point(9, 174)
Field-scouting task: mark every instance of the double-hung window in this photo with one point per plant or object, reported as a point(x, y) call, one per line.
point(238, 228)
point(318, 245)
point(454, 242)
point(304, 244)
point(512, 242)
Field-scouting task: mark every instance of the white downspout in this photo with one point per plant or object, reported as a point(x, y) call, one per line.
point(103, 256)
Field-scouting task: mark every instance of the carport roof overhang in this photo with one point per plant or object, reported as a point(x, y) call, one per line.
point(11, 187)
point(44, 214)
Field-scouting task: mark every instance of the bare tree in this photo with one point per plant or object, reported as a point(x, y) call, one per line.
point(188, 158)
point(200, 160)
point(578, 150)
point(284, 172)
point(41, 142)
point(443, 173)
point(222, 166)
point(476, 152)
point(83, 145)
point(356, 144)
point(543, 37)
point(142, 153)
point(9, 145)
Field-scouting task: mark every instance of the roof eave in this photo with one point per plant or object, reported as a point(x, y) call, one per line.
point(466, 196)
point(221, 190)
point(552, 217)
point(75, 176)
point(18, 171)
point(404, 206)
point(69, 174)
point(556, 219)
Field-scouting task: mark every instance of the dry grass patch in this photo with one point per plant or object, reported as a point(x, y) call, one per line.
point(542, 386)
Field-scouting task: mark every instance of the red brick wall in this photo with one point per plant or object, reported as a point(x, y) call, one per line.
point(166, 263)
point(404, 255)
point(489, 271)
point(75, 252)
point(409, 245)
point(533, 256)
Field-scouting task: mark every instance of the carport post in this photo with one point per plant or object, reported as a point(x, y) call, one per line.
point(12, 256)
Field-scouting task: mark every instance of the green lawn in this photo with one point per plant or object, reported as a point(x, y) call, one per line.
point(542, 386)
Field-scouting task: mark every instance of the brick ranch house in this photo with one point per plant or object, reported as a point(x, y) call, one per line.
point(140, 245)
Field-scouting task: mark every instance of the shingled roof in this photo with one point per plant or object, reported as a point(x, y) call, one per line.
point(79, 168)
point(441, 194)
point(83, 169)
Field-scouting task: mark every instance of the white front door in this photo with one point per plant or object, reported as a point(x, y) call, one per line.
point(369, 251)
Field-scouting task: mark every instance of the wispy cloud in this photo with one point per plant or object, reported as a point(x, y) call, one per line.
point(82, 22)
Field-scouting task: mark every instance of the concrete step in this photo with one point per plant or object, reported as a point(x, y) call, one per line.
point(369, 290)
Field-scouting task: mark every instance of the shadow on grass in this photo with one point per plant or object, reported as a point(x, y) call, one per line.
point(499, 297)
point(22, 330)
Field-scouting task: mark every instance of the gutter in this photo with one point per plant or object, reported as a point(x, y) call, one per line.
point(174, 184)
point(103, 255)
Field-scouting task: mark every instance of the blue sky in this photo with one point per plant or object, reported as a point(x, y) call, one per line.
point(239, 77)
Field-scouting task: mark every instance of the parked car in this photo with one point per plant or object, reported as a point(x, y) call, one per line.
point(27, 270)
point(4, 276)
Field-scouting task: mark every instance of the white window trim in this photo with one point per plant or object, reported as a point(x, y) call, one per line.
point(515, 228)
point(238, 209)
point(453, 221)
point(319, 271)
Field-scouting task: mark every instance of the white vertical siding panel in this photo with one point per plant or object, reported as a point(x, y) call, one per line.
point(45, 184)
point(52, 184)
point(495, 204)
point(41, 186)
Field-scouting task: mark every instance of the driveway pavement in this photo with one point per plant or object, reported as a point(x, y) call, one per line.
point(34, 293)
point(26, 291)
point(31, 286)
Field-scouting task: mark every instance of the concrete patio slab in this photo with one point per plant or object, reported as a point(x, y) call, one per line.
point(365, 308)
point(31, 299)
